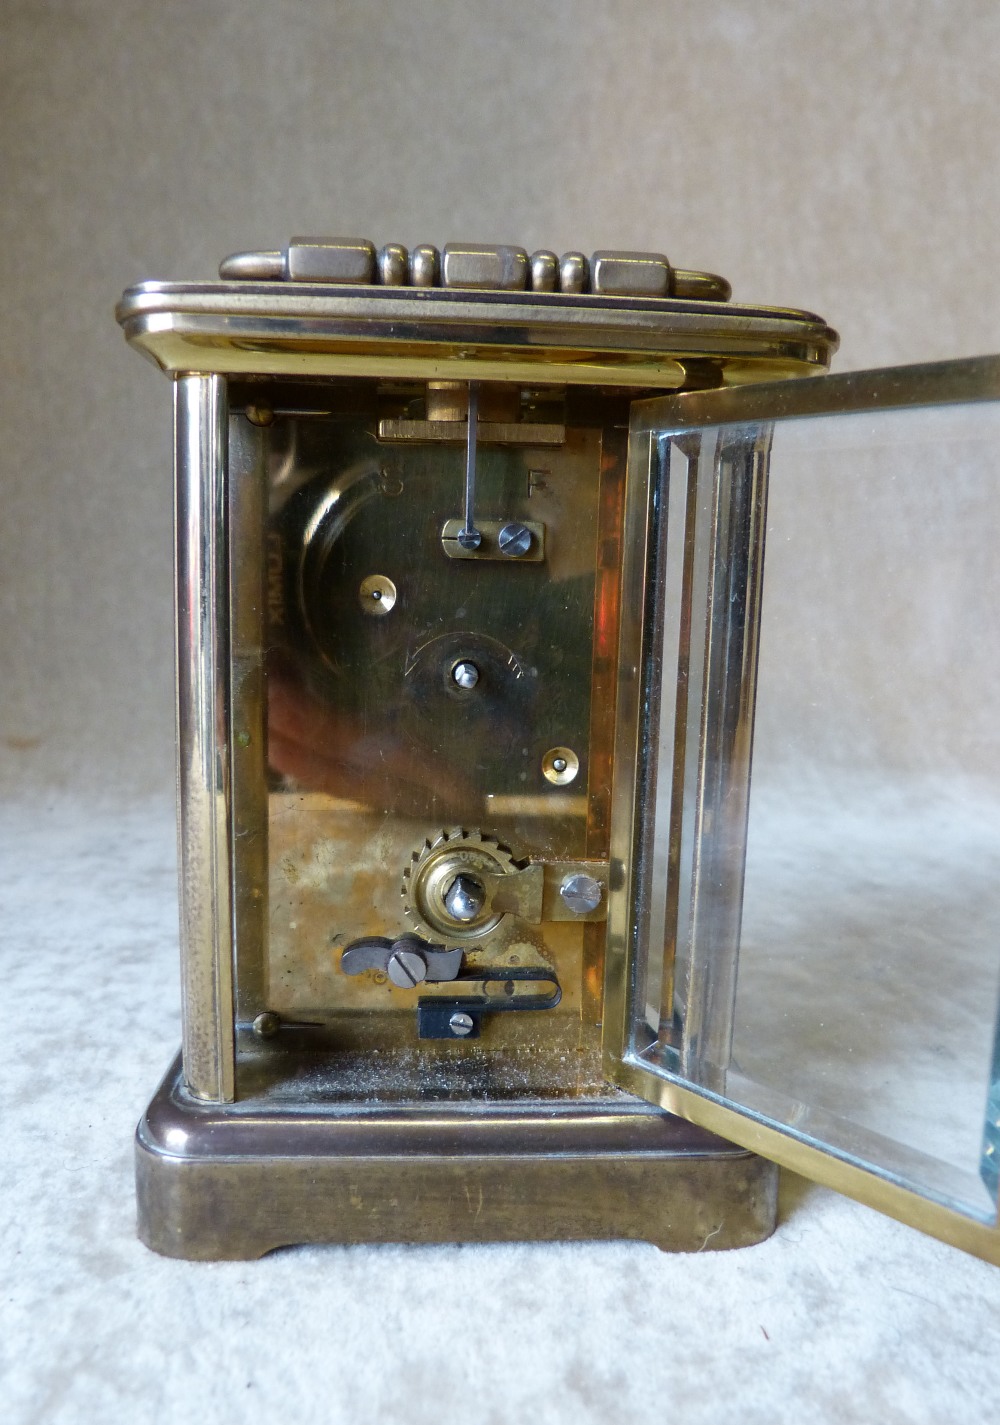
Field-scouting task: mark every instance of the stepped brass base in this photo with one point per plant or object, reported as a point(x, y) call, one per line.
point(233, 1181)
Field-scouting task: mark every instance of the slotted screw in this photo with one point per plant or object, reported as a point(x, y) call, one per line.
point(514, 539)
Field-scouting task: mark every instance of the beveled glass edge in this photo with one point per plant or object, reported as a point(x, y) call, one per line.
point(821, 1165)
point(247, 602)
point(731, 484)
point(922, 1172)
point(975, 378)
point(635, 639)
point(940, 383)
point(203, 746)
point(713, 758)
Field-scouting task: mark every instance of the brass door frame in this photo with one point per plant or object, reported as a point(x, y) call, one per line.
point(940, 383)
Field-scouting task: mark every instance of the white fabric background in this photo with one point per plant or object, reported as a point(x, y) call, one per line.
point(842, 1316)
point(842, 158)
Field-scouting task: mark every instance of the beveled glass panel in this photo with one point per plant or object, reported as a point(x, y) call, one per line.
point(827, 959)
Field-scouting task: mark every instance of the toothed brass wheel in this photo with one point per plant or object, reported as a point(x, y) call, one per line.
point(447, 885)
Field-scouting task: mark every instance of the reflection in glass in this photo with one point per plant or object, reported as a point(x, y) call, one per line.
point(864, 1008)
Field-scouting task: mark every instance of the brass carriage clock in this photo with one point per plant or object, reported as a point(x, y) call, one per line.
point(483, 934)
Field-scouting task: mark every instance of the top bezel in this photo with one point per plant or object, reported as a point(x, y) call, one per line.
point(320, 329)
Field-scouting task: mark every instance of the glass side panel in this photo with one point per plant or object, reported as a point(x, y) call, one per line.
point(832, 950)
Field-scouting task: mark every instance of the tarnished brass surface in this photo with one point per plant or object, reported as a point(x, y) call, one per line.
point(358, 697)
point(446, 407)
point(234, 1182)
point(693, 285)
point(435, 866)
point(490, 432)
point(630, 274)
point(375, 754)
point(491, 267)
point(343, 260)
point(297, 329)
point(489, 549)
point(975, 378)
point(812, 1161)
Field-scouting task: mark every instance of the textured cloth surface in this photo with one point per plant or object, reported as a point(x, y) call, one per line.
point(841, 1316)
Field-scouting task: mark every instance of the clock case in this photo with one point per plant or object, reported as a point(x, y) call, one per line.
point(331, 764)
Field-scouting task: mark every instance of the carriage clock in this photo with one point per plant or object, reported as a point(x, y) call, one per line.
point(493, 570)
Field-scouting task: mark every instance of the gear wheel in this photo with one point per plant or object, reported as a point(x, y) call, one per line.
point(433, 868)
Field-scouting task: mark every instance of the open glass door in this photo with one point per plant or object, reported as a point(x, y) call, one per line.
point(808, 960)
